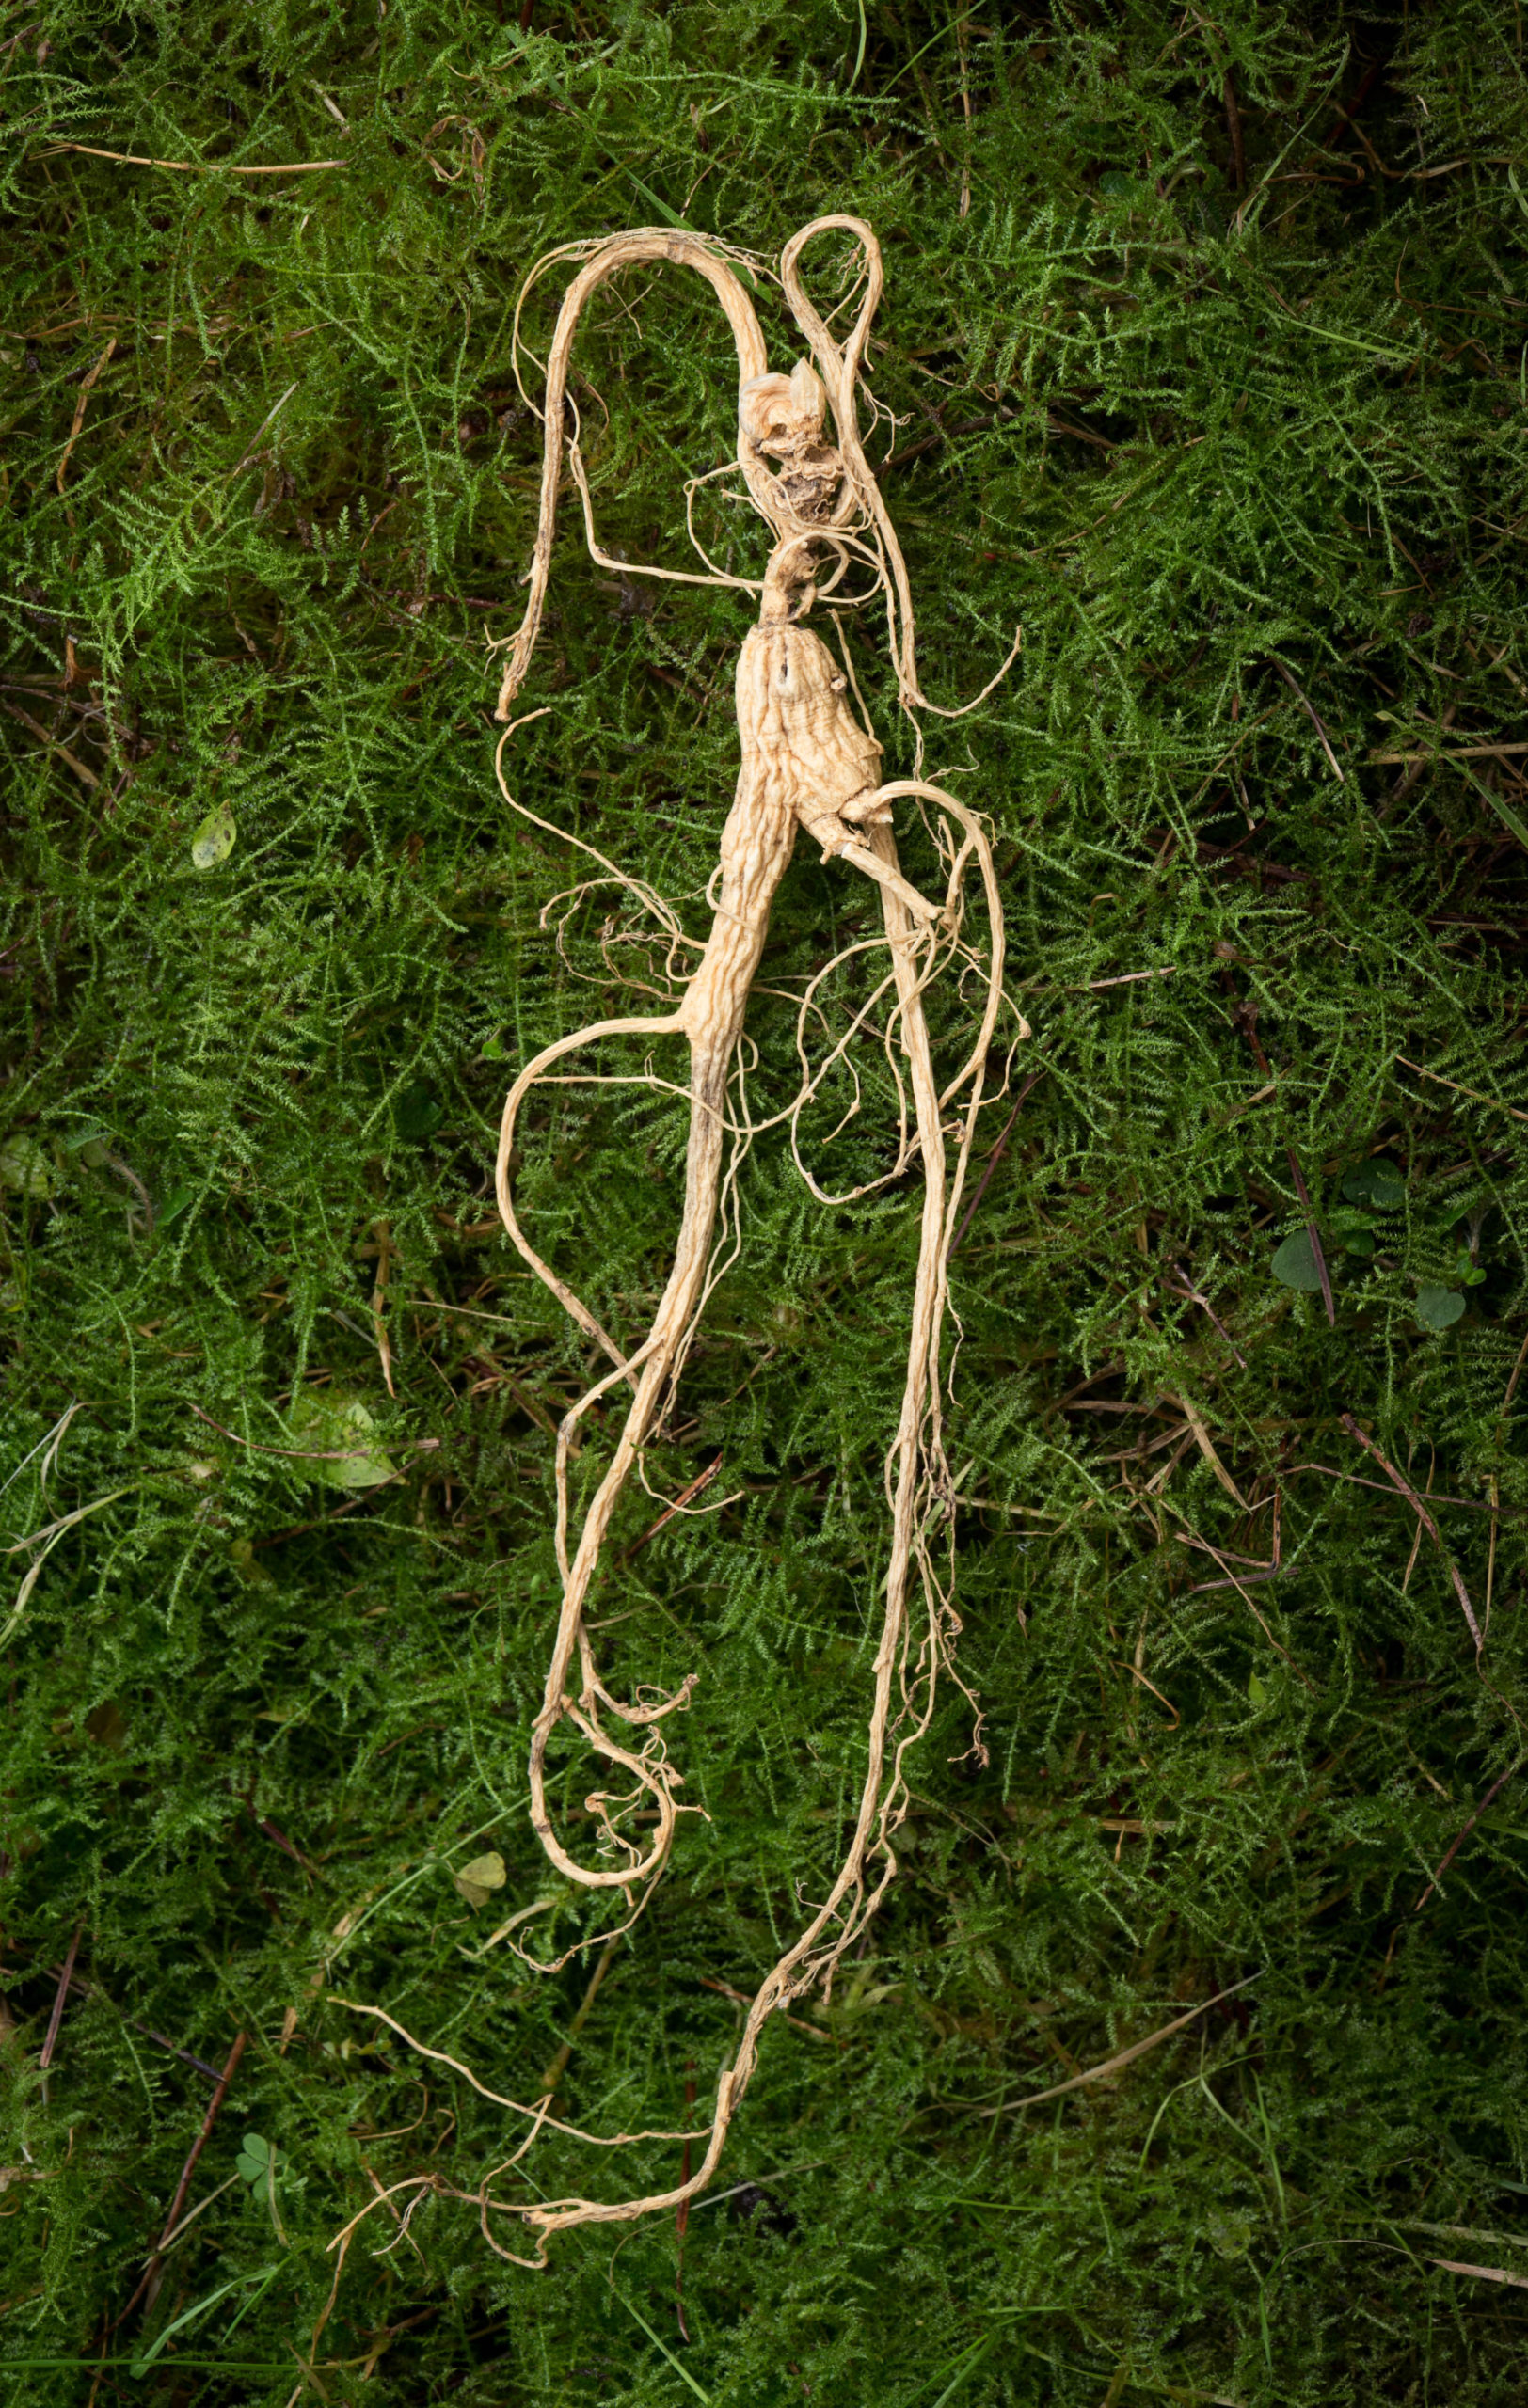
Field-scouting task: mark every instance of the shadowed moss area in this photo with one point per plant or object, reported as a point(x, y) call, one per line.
point(1203, 348)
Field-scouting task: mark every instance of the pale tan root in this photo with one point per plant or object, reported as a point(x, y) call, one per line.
point(806, 761)
point(621, 250)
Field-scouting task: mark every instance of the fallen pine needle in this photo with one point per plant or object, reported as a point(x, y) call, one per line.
point(1463, 1833)
point(1125, 2057)
point(1474, 1093)
point(1481, 2273)
point(193, 166)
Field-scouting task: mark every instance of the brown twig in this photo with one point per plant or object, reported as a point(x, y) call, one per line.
point(45, 2060)
point(274, 1833)
point(1055, 424)
point(1346, 116)
point(86, 384)
point(86, 777)
point(1229, 1555)
point(1411, 776)
point(295, 1529)
point(942, 433)
point(1464, 1832)
point(383, 1233)
point(1194, 1297)
point(129, 1177)
point(685, 1496)
point(93, 1989)
point(1205, 1444)
point(1315, 1234)
point(1356, 1480)
point(1234, 127)
point(1315, 723)
point(265, 422)
point(231, 2067)
point(1268, 1572)
point(994, 1159)
point(1482, 2274)
point(1424, 1516)
point(1265, 1572)
point(154, 2271)
point(727, 1990)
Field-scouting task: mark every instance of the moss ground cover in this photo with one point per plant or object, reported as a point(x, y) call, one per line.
point(1204, 340)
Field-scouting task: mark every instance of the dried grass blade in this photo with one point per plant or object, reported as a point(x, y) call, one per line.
point(1123, 2057)
point(1425, 1517)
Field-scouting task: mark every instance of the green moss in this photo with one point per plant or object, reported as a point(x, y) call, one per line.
point(1246, 458)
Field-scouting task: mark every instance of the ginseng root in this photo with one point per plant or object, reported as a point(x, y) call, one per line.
point(806, 764)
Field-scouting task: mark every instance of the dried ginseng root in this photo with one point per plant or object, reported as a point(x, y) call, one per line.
point(807, 764)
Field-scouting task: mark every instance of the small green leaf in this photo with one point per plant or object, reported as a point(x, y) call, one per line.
point(176, 1204)
point(1294, 1265)
point(215, 839)
point(1378, 1184)
point(1354, 1231)
point(1439, 1307)
point(494, 1049)
point(253, 2163)
point(478, 1880)
point(1257, 1690)
point(24, 1165)
point(332, 1427)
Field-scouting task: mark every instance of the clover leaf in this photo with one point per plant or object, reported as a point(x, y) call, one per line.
point(478, 1880)
point(254, 2164)
point(24, 1164)
point(1295, 1265)
point(1354, 1231)
point(1439, 1307)
point(339, 1436)
point(1375, 1183)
